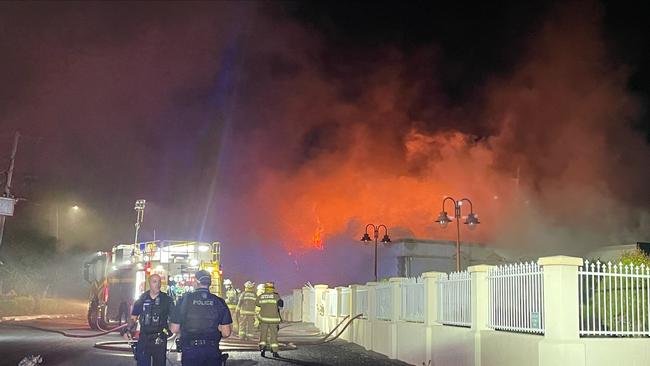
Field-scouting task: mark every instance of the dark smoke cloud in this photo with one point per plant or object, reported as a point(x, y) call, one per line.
point(242, 125)
point(547, 151)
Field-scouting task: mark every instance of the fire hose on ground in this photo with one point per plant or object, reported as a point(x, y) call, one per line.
point(289, 342)
point(70, 335)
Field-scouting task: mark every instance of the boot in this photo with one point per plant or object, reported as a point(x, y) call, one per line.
point(263, 352)
point(276, 355)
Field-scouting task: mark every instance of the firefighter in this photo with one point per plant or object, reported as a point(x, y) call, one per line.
point(258, 292)
point(202, 319)
point(232, 295)
point(246, 311)
point(152, 310)
point(269, 303)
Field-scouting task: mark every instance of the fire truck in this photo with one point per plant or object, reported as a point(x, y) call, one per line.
point(118, 277)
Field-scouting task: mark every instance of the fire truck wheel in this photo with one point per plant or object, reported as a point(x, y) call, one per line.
point(92, 316)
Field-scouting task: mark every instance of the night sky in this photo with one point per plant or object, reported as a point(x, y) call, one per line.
point(282, 128)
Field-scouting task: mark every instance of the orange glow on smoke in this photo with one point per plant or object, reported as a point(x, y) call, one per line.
point(346, 198)
point(530, 148)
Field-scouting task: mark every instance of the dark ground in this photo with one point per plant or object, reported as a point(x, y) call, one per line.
point(17, 341)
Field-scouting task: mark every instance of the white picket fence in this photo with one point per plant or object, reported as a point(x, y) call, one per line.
point(384, 303)
point(614, 299)
point(454, 299)
point(413, 300)
point(345, 301)
point(361, 306)
point(517, 298)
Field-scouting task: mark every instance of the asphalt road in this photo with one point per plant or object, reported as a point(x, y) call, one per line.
point(17, 341)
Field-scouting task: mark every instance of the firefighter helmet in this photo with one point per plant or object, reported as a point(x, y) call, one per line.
point(249, 285)
point(269, 286)
point(227, 282)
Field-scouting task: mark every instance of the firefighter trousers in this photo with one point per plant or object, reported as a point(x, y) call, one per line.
point(246, 326)
point(269, 336)
point(233, 311)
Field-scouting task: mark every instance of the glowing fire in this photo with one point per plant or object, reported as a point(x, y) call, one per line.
point(317, 239)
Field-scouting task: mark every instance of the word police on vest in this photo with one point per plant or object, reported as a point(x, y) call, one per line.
point(203, 301)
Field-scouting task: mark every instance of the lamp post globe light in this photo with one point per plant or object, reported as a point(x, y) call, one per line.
point(471, 221)
point(367, 239)
point(71, 210)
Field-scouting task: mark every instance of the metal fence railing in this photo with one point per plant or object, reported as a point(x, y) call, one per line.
point(361, 306)
point(517, 298)
point(454, 299)
point(384, 303)
point(614, 299)
point(413, 300)
point(331, 302)
point(345, 301)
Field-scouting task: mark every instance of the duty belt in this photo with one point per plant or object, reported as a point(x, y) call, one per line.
point(202, 342)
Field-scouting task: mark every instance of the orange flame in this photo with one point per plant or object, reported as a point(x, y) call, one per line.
point(317, 238)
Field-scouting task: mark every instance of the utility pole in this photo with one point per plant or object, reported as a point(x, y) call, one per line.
point(7, 189)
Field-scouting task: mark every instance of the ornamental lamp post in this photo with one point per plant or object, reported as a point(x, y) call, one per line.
point(366, 239)
point(471, 221)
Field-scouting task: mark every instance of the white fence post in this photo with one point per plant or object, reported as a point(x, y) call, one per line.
point(396, 289)
point(480, 300)
point(372, 314)
point(561, 344)
point(430, 307)
point(352, 311)
point(297, 305)
point(396, 286)
point(320, 307)
point(431, 297)
point(372, 300)
point(307, 306)
point(339, 295)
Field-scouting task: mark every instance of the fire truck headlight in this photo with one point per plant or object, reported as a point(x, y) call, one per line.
point(203, 248)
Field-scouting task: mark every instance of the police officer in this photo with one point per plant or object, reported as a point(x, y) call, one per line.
point(202, 319)
point(246, 311)
point(152, 310)
point(269, 303)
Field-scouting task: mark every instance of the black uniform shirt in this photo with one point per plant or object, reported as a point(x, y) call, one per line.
point(153, 313)
point(213, 312)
